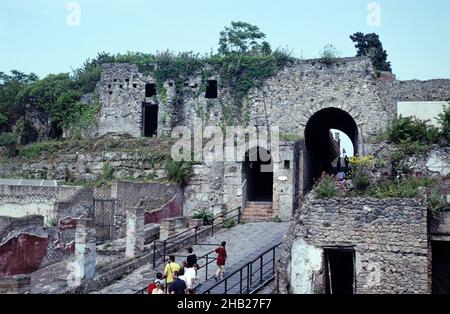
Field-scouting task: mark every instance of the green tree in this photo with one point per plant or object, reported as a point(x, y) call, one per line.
point(47, 96)
point(242, 38)
point(11, 85)
point(370, 45)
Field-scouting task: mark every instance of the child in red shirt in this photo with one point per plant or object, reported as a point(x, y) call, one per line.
point(221, 258)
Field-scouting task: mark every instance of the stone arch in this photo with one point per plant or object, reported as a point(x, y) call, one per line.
point(320, 149)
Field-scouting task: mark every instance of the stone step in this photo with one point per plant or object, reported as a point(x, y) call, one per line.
point(259, 204)
point(258, 214)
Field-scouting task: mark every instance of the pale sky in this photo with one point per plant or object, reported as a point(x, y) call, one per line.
point(42, 36)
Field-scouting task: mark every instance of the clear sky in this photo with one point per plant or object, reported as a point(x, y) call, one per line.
point(35, 35)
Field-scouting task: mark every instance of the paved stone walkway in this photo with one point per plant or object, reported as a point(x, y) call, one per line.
point(242, 241)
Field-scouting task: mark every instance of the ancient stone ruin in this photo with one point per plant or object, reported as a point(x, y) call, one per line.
point(334, 245)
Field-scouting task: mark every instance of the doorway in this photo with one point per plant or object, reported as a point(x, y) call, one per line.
point(340, 271)
point(258, 171)
point(150, 119)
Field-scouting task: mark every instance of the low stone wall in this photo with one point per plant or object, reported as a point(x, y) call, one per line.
point(86, 166)
point(173, 208)
point(154, 196)
point(50, 202)
point(389, 238)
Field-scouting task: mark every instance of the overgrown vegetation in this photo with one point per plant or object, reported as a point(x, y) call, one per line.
point(413, 130)
point(444, 119)
point(361, 172)
point(326, 187)
point(178, 171)
point(229, 223)
point(329, 54)
point(205, 215)
point(243, 62)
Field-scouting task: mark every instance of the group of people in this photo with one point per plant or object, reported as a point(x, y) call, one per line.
point(182, 279)
point(340, 171)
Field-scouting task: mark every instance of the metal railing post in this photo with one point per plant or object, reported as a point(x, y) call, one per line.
point(273, 262)
point(248, 278)
point(240, 282)
point(251, 274)
point(239, 215)
point(226, 286)
point(154, 254)
point(195, 239)
point(212, 228)
point(261, 269)
point(164, 251)
point(206, 278)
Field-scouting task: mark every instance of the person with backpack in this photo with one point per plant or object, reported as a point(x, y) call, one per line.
point(169, 270)
point(158, 281)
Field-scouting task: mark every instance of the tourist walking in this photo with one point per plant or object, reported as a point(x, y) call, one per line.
point(190, 276)
point(170, 269)
point(192, 258)
point(221, 259)
point(178, 286)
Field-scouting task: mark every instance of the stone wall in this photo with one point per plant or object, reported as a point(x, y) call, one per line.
point(389, 238)
point(128, 194)
point(50, 202)
point(215, 186)
point(86, 166)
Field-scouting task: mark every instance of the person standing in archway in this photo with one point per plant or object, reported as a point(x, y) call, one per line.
point(347, 162)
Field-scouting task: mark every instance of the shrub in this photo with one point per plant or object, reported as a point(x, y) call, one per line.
point(361, 175)
point(9, 140)
point(326, 187)
point(329, 54)
point(34, 151)
point(229, 223)
point(277, 219)
point(444, 119)
point(178, 171)
point(204, 214)
point(435, 202)
point(413, 130)
point(406, 188)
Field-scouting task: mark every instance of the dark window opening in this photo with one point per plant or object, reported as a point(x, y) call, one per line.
point(115, 80)
point(134, 85)
point(211, 89)
point(258, 170)
point(170, 84)
point(287, 164)
point(150, 120)
point(440, 267)
point(340, 271)
point(150, 90)
point(110, 92)
point(109, 86)
point(127, 80)
point(121, 86)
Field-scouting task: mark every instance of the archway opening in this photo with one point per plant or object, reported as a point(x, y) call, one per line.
point(322, 148)
point(258, 171)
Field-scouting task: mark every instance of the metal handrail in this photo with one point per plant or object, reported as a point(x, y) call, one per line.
point(180, 241)
point(250, 273)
